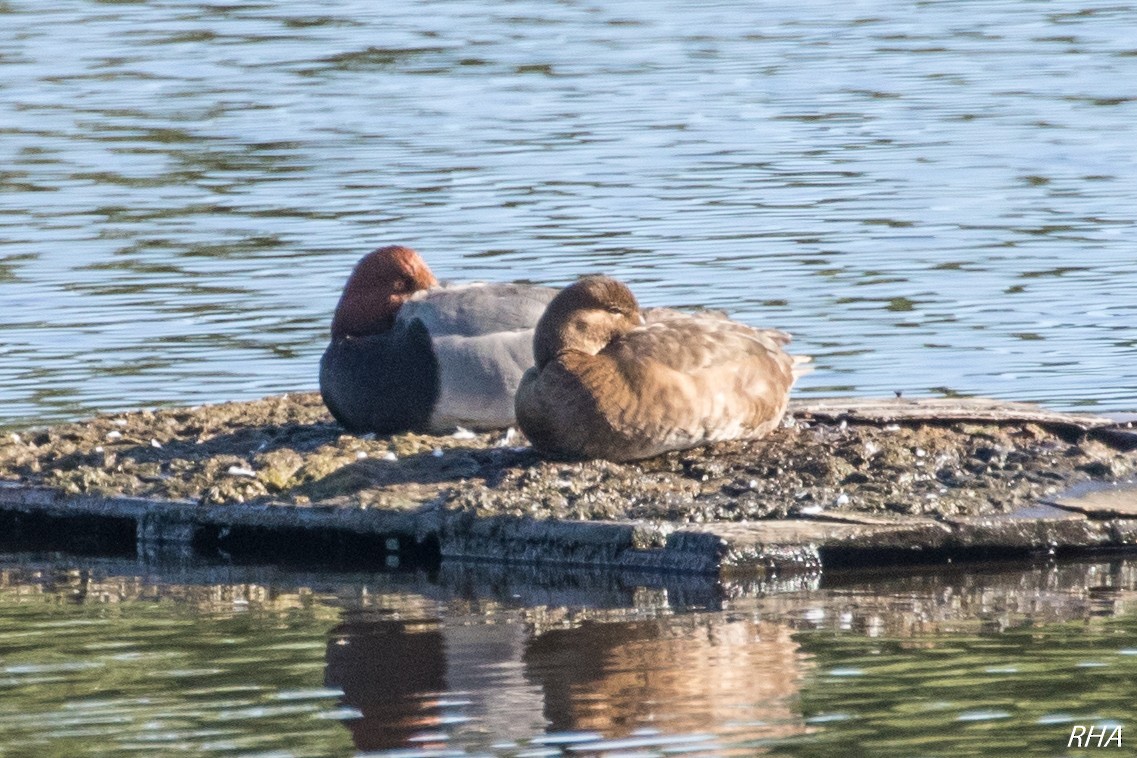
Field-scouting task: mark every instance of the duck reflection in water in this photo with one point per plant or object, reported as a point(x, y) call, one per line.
point(390, 671)
point(422, 675)
point(684, 675)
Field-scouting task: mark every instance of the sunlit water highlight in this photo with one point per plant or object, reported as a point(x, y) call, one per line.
point(935, 198)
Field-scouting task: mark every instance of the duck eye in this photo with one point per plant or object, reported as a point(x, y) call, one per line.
point(399, 285)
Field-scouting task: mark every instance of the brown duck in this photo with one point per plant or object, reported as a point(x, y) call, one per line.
point(613, 382)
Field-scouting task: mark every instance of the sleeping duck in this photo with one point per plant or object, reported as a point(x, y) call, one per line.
point(410, 354)
point(613, 382)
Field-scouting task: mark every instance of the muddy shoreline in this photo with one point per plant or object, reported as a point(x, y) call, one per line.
point(879, 465)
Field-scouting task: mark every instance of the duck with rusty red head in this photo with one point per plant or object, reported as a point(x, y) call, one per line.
point(410, 354)
point(616, 382)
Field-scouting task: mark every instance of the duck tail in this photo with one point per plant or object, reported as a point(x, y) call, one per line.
point(802, 365)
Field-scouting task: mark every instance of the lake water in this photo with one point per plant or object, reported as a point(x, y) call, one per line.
point(105, 657)
point(935, 197)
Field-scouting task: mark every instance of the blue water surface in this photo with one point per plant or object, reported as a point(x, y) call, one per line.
point(934, 197)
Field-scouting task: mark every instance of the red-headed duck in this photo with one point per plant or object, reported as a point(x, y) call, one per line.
point(410, 354)
point(613, 382)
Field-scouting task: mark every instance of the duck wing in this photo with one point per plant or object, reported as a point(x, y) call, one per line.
point(482, 338)
point(469, 310)
point(688, 379)
point(693, 342)
point(478, 378)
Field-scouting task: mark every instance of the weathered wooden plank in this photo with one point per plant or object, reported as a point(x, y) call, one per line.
point(894, 410)
point(1101, 500)
point(863, 481)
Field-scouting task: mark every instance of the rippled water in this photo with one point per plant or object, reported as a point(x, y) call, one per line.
point(99, 657)
point(934, 197)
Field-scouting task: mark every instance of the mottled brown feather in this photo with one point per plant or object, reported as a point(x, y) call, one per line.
point(679, 381)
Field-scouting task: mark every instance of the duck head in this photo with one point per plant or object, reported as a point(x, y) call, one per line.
point(585, 316)
point(381, 282)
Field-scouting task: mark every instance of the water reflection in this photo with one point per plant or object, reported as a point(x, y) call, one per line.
point(392, 672)
point(234, 660)
point(736, 679)
point(412, 679)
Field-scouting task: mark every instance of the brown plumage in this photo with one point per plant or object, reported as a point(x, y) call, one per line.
point(612, 382)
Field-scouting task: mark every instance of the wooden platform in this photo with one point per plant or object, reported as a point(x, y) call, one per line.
point(1093, 516)
point(1094, 519)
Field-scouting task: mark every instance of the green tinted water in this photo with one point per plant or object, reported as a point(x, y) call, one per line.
point(98, 660)
point(129, 667)
point(1013, 692)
